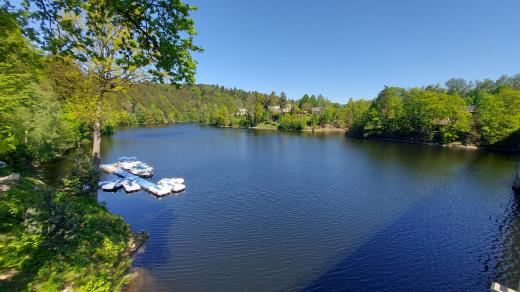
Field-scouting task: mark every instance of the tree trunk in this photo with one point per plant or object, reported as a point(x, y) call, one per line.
point(96, 136)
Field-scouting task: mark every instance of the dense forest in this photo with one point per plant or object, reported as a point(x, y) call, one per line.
point(485, 113)
point(218, 106)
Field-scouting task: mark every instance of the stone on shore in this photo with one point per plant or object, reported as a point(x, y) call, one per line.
point(4, 188)
point(9, 178)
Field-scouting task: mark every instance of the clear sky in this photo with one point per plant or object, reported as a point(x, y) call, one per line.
point(345, 49)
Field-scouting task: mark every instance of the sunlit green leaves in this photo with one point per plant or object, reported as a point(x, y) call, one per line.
point(499, 115)
point(121, 36)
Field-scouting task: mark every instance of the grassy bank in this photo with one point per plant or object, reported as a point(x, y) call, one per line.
point(56, 239)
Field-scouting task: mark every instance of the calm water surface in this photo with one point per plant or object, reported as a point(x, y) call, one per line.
point(271, 211)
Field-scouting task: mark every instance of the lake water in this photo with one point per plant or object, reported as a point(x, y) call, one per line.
point(271, 211)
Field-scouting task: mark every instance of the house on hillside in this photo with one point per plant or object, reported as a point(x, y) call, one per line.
point(274, 109)
point(317, 110)
point(277, 109)
point(287, 108)
point(241, 112)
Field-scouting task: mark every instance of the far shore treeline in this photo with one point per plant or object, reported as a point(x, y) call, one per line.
point(483, 113)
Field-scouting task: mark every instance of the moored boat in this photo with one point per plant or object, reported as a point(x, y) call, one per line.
point(111, 186)
point(143, 170)
point(173, 180)
point(176, 188)
point(127, 165)
point(135, 166)
point(159, 190)
point(130, 186)
point(174, 184)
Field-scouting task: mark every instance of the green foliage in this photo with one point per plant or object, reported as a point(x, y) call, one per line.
point(385, 113)
point(19, 66)
point(7, 140)
point(328, 115)
point(120, 36)
point(458, 86)
point(292, 122)
point(431, 116)
point(222, 107)
point(499, 115)
point(437, 114)
point(33, 122)
point(220, 117)
point(116, 43)
point(47, 133)
point(21, 224)
point(352, 115)
point(428, 115)
point(260, 114)
point(61, 238)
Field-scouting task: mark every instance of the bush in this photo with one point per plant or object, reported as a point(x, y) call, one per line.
point(292, 122)
point(63, 237)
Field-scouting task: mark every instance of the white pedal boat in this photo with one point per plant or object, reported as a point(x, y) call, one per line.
point(160, 190)
point(127, 165)
point(175, 184)
point(136, 167)
point(143, 170)
point(178, 188)
point(130, 186)
point(111, 186)
point(173, 180)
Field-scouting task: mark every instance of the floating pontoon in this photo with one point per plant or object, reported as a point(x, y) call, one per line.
point(156, 189)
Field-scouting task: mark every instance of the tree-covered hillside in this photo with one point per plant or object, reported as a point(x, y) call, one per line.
point(219, 106)
point(482, 113)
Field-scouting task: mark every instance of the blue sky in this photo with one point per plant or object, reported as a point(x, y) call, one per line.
point(345, 49)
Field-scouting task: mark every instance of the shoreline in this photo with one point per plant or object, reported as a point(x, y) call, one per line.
point(263, 127)
point(454, 145)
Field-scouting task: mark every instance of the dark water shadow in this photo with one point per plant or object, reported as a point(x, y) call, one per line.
point(413, 254)
point(415, 250)
point(507, 258)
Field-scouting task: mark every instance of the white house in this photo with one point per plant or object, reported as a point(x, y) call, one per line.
point(241, 112)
